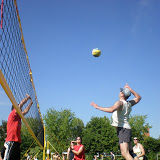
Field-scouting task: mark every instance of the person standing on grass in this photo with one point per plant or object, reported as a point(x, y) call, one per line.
point(13, 139)
point(78, 150)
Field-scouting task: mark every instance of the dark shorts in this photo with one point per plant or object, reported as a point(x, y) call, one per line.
point(3, 151)
point(12, 151)
point(124, 135)
point(71, 155)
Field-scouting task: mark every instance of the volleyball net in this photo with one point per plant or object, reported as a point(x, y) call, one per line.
point(15, 71)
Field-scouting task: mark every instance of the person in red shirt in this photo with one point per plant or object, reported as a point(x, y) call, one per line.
point(13, 139)
point(78, 150)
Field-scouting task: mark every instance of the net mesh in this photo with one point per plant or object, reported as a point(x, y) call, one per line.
point(15, 66)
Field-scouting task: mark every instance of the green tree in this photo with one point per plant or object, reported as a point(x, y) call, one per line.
point(62, 127)
point(3, 131)
point(152, 147)
point(139, 126)
point(100, 136)
point(28, 142)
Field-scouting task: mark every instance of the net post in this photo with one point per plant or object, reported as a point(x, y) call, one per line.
point(44, 144)
point(48, 151)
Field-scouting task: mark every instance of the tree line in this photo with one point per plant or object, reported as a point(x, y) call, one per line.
point(98, 136)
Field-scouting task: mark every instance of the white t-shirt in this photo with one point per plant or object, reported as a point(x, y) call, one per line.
point(120, 118)
point(137, 151)
point(28, 157)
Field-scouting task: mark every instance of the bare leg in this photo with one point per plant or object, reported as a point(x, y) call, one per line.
point(125, 151)
point(131, 148)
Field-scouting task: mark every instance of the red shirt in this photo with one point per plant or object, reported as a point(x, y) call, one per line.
point(82, 155)
point(14, 127)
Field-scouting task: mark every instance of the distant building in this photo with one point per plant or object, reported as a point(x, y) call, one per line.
point(147, 133)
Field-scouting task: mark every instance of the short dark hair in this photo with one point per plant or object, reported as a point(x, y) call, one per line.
point(80, 138)
point(12, 108)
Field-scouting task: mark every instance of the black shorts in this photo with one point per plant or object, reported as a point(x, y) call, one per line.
point(12, 151)
point(3, 151)
point(124, 135)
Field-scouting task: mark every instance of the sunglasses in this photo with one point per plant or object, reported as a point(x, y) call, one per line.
point(121, 90)
point(135, 139)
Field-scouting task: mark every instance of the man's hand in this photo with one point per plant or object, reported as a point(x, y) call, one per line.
point(24, 101)
point(71, 147)
point(127, 86)
point(94, 105)
point(137, 96)
point(28, 96)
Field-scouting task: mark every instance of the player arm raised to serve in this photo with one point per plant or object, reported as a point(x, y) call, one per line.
point(111, 109)
point(136, 95)
point(79, 151)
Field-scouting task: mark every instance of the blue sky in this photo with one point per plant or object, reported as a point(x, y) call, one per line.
point(59, 37)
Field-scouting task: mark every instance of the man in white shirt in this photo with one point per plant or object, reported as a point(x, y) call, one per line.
point(121, 110)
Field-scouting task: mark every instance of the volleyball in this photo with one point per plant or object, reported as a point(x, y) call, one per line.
point(96, 52)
